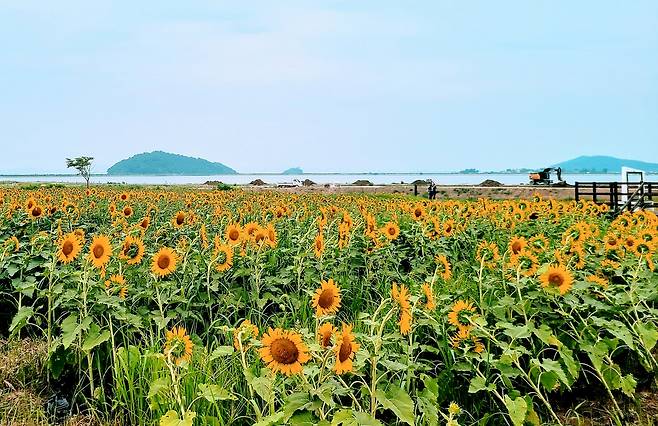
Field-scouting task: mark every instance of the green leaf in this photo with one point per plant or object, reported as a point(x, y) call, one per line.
point(518, 332)
point(70, 330)
point(397, 400)
point(273, 419)
point(517, 409)
point(479, 383)
point(648, 334)
point(213, 393)
point(628, 384)
point(546, 335)
point(171, 419)
point(94, 338)
point(157, 388)
point(222, 351)
point(263, 387)
point(20, 319)
point(553, 366)
point(349, 417)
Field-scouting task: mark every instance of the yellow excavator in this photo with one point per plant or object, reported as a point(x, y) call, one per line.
point(544, 177)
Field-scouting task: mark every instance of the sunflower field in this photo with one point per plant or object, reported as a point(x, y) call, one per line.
point(202, 307)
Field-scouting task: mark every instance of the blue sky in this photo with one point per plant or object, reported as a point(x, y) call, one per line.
point(343, 86)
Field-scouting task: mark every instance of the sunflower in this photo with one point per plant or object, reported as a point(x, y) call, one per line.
point(127, 211)
point(271, 235)
point(448, 228)
point(243, 333)
point(145, 222)
point(596, 279)
point(100, 251)
point(418, 212)
point(517, 244)
point(430, 304)
point(345, 349)
point(391, 230)
point(36, 212)
point(557, 277)
point(224, 255)
point(487, 254)
point(119, 281)
point(250, 229)
point(164, 262)
point(69, 248)
point(325, 333)
point(401, 296)
point(443, 265)
point(460, 314)
point(132, 250)
point(178, 346)
point(13, 242)
point(318, 245)
point(179, 219)
point(326, 300)
point(283, 351)
point(233, 233)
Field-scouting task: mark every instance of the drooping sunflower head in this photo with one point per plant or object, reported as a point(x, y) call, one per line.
point(164, 262)
point(557, 277)
point(443, 267)
point(178, 346)
point(401, 296)
point(179, 219)
point(69, 247)
point(318, 245)
point(224, 257)
point(326, 300)
point(430, 304)
point(283, 351)
point(243, 334)
point(100, 251)
point(461, 314)
point(325, 333)
point(345, 348)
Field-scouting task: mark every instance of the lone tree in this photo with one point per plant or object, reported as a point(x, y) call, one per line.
point(82, 165)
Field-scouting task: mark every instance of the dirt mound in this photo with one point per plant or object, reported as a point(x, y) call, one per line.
point(490, 182)
point(308, 182)
point(257, 182)
point(362, 182)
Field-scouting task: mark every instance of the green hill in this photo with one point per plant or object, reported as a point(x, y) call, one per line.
point(603, 164)
point(165, 163)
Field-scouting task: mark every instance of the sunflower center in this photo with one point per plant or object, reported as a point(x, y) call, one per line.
point(98, 251)
point(233, 235)
point(326, 299)
point(391, 231)
point(163, 262)
point(144, 223)
point(180, 219)
point(36, 212)
point(516, 247)
point(284, 351)
point(555, 279)
point(127, 211)
point(326, 340)
point(345, 350)
point(67, 248)
point(318, 244)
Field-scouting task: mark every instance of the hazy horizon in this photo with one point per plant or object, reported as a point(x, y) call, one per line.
point(330, 86)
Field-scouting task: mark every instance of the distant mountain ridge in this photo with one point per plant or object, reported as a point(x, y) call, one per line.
point(166, 163)
point(603, 164)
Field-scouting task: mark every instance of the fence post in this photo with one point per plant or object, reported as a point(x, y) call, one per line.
point(415, 190)
point(594, 192)
point(577, 195)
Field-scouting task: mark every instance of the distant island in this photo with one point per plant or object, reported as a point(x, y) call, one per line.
point(165, 163)
point(293, 171)
point(603, 164)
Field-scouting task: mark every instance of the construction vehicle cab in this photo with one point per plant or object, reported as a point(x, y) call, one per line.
point(544, 177)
